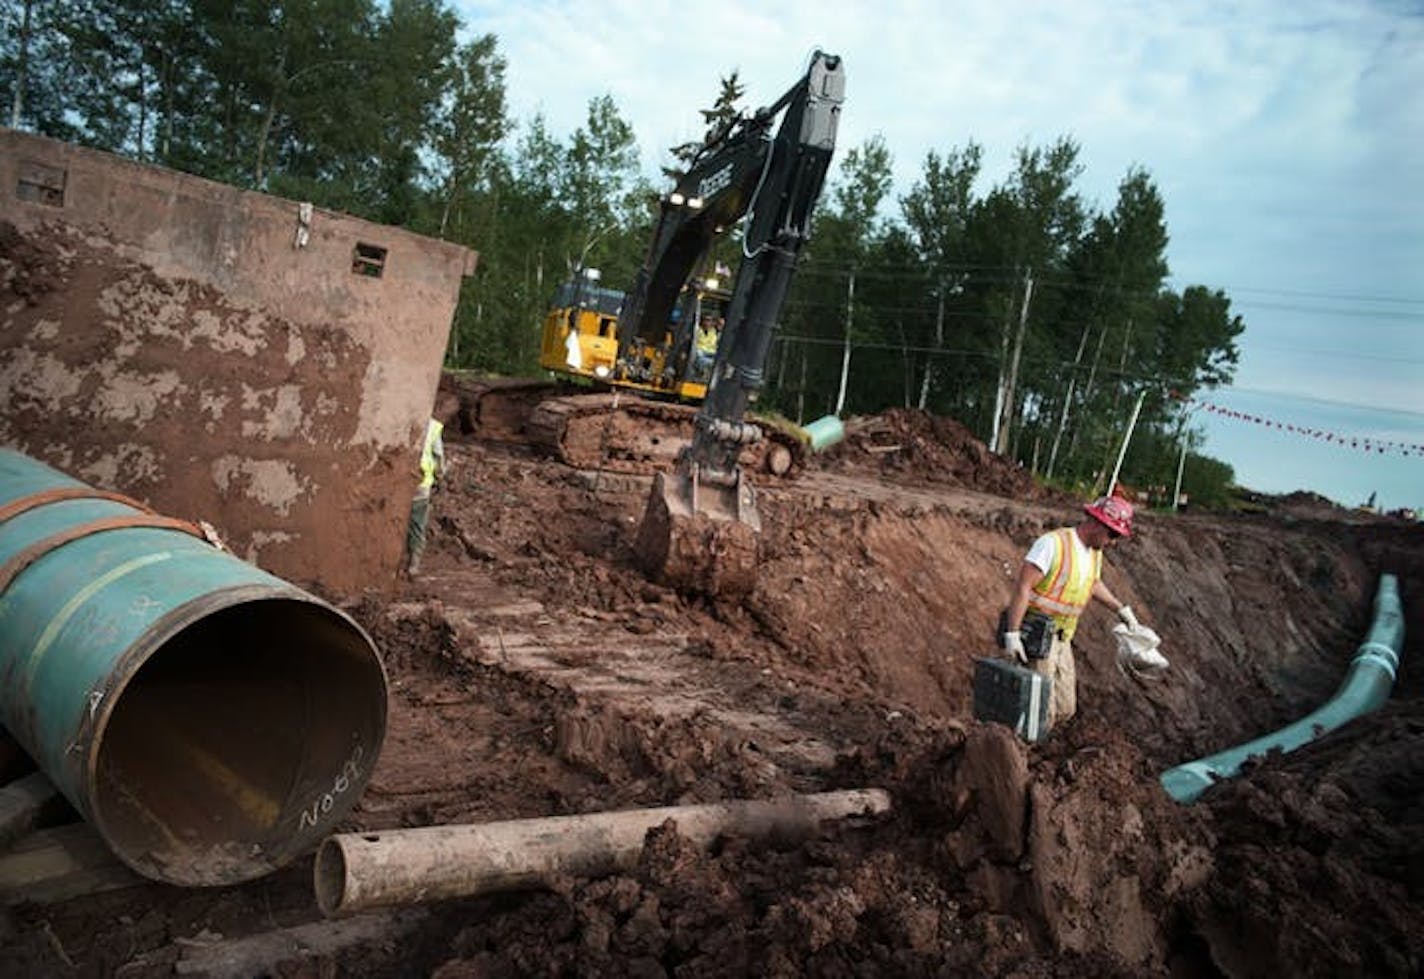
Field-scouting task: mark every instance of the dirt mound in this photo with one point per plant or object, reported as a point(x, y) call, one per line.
point(1320, 860)
point(535, 671)
point(905, 443)
point(1065, 859)
point(31, 270)
point(919, 894)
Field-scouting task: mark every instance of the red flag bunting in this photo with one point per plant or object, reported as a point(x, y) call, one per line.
point(1382, 446)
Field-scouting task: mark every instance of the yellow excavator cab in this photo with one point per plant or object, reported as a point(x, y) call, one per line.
point(580, 339)
point(580, 335)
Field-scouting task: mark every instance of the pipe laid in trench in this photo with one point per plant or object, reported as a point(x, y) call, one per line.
point(209, 720)
point(357, 871)
point(1366, 687)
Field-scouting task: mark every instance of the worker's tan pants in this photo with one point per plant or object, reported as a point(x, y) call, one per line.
point(1058, 667)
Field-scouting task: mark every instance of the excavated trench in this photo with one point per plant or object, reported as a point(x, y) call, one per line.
point(535, 672)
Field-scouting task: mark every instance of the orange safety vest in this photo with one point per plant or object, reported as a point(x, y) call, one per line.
point(1067, 586)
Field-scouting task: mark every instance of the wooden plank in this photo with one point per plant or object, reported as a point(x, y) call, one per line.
point(52, 865)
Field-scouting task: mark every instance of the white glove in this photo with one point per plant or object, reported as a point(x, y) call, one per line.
point(1013, 642)
point(1129, 617)
point(1137, 652)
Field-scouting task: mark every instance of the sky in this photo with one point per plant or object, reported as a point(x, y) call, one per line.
point(1285, 136)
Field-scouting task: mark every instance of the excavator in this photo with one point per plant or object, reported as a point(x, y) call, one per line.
point(766, 169)
point(701, 527)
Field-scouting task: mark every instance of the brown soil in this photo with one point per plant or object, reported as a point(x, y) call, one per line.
point(535, 671)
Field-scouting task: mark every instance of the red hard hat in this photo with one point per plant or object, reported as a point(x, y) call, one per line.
point(1113, 512)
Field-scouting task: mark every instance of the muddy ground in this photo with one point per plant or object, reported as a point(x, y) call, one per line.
point(535, 672)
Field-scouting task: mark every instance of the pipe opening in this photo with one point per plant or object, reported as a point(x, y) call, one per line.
point(239, 741)
point(329, 877)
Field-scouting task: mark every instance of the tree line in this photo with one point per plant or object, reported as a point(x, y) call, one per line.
point(1037, 320)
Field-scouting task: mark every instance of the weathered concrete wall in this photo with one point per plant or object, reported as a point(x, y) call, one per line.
point(212, 353)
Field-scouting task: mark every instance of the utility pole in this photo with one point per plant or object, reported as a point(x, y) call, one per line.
point(845, 356)
point(17, 103)
point(1181, 462)
point(1067, 401)
point(939, 344)
point(1005, 408)
point(1131, 424)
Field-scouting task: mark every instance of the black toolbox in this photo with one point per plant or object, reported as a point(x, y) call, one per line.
point(1012, 694)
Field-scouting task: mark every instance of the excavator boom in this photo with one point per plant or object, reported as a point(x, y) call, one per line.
point(701, 528)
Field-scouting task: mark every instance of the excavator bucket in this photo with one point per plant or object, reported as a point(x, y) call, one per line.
point(698, 536)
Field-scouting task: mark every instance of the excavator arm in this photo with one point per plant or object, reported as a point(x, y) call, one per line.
point(701, 528)
point(712, 196)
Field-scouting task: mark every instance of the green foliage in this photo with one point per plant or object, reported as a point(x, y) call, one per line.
point(1016, 308)
point(939, 206)
point(1019, 295)
point(1207, 482)
point(718, 119)
point(471, 123)
point(601, 186)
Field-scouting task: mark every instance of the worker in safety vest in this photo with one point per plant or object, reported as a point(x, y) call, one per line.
point(1060, 574)
point(705, 344)
point(432, 468)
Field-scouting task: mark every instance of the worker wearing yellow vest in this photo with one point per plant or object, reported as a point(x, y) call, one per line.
point(432, 468)
point(1061, 573)
point(709, 331)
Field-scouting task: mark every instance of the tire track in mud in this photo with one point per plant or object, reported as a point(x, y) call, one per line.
point(592, 716)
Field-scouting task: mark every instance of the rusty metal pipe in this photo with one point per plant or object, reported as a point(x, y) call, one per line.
point(357, 871)
point(211, 721)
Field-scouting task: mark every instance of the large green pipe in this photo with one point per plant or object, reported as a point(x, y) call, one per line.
point(211, 721)
point(1366, 687)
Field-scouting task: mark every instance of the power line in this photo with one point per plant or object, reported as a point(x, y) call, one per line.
point(960, 315)
point(1006, 274)
point(1166, 384)
point(1333, 297)
point(1375, 314)
point(1338, 354)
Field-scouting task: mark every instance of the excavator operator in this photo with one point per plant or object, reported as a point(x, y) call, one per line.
point(705, 345)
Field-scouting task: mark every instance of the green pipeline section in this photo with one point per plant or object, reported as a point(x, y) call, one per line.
point(1366, 687)
point(211, 721)
point(824, 432)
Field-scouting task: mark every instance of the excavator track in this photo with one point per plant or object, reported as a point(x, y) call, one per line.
point(622, 432)
point(497, 409)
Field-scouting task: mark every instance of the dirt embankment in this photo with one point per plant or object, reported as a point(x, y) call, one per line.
point(536, 672)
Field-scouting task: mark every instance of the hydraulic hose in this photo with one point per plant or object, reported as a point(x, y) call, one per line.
point(1366, 687)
